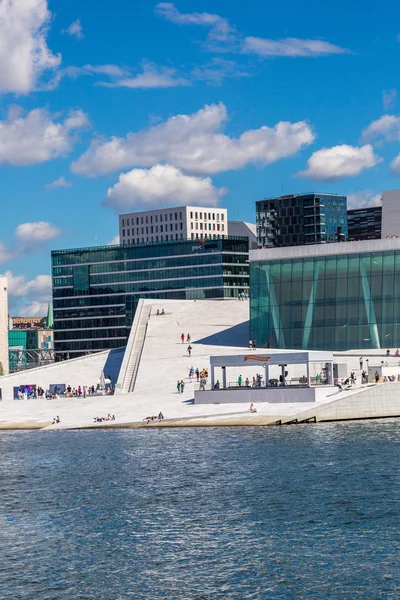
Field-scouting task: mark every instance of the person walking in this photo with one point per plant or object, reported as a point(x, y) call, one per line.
point(182, 386)
point(178, 386)
point(189, 349)
point(250, 344)
point(254, 344)
point(361, 362)
point(197, 373)
point(240, 380)
point(188, 338)
point(183, 338)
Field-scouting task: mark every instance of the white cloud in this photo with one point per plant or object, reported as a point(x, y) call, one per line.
point(33, 233)
point(162, 184)
point(37, 137)
point(24, 55)
point(363, 199)
point(18, 287)
point(110, 70)
point(389, 98)
point(217, 70)
point(385, 129)
point(152, 76)
point(395, 165)
point(57, 183)
point(33, 309)
point(194, 143)
point(28, 297)
point(222, 37)
point(114, 242)
point(329, 164)
point(292, 47)
point(75, 29)
point(219, 29)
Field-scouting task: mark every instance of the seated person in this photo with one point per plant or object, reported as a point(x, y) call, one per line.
point(158, 311)
point(216, 386)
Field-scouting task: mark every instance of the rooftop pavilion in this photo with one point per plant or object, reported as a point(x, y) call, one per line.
point(268, 388)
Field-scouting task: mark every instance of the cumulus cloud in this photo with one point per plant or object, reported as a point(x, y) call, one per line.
point(363, 199)
point(385, 129)
point(329, 164)
point(152, 76)
point(33, 309)
point(146, 188)
point(41, 231)
point(38, 136)
point(19, 287)
point(114, 241)
point(389, 98)
point(24, 54)
point(28, 297)
point(61, 182)
point(75, 30)
point(292, 47)
point(194, 143)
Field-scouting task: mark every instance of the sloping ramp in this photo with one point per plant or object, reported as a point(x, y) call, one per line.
point(376, 401)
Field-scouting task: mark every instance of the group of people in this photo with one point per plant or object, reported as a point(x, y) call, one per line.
point(257, 381)
point(243, 296)
point(154, 418)
point(162, 312)
point(56, 420)
point(189, 348)
point(252, 344)
point(101, 419)
point(180, 386)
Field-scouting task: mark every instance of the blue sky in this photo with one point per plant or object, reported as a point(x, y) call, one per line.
point(106, 109)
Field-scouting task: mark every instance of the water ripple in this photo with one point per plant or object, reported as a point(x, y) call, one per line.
point(307, 512)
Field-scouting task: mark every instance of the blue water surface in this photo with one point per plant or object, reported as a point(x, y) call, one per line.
point(307, 511)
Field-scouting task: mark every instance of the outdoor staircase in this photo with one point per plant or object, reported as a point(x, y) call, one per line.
point(134, 348)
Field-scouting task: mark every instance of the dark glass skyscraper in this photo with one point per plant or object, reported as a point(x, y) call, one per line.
point(365, 223)
point(301, 219)
point(95, 290)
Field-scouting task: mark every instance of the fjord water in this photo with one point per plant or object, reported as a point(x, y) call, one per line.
point(293, 512)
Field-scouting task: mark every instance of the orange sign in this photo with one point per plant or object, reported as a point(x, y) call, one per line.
point(258, 358)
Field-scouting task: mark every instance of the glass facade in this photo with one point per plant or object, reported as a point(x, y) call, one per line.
point(96, 290)
point(301, 219)
point(365, 223)
point(340, 302)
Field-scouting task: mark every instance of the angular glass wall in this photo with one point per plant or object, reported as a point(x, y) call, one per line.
point(340, 303)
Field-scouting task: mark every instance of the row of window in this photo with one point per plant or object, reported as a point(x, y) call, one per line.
point(211, 216)
point(149, 219)
point(151, 275)
point(150, 229)
point(126, 288)
point(60, 274)
point(147, 251)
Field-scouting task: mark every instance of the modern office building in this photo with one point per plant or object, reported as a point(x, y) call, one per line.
point(390, 213)
point(4, 325)
point(179, 223)
point(326, 297)
point(365, 223)
point(301, 219)
point(96, 290)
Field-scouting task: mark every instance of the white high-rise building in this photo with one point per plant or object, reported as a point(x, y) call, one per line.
point(390, 213)
point(4, 324)
point(167, 224)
